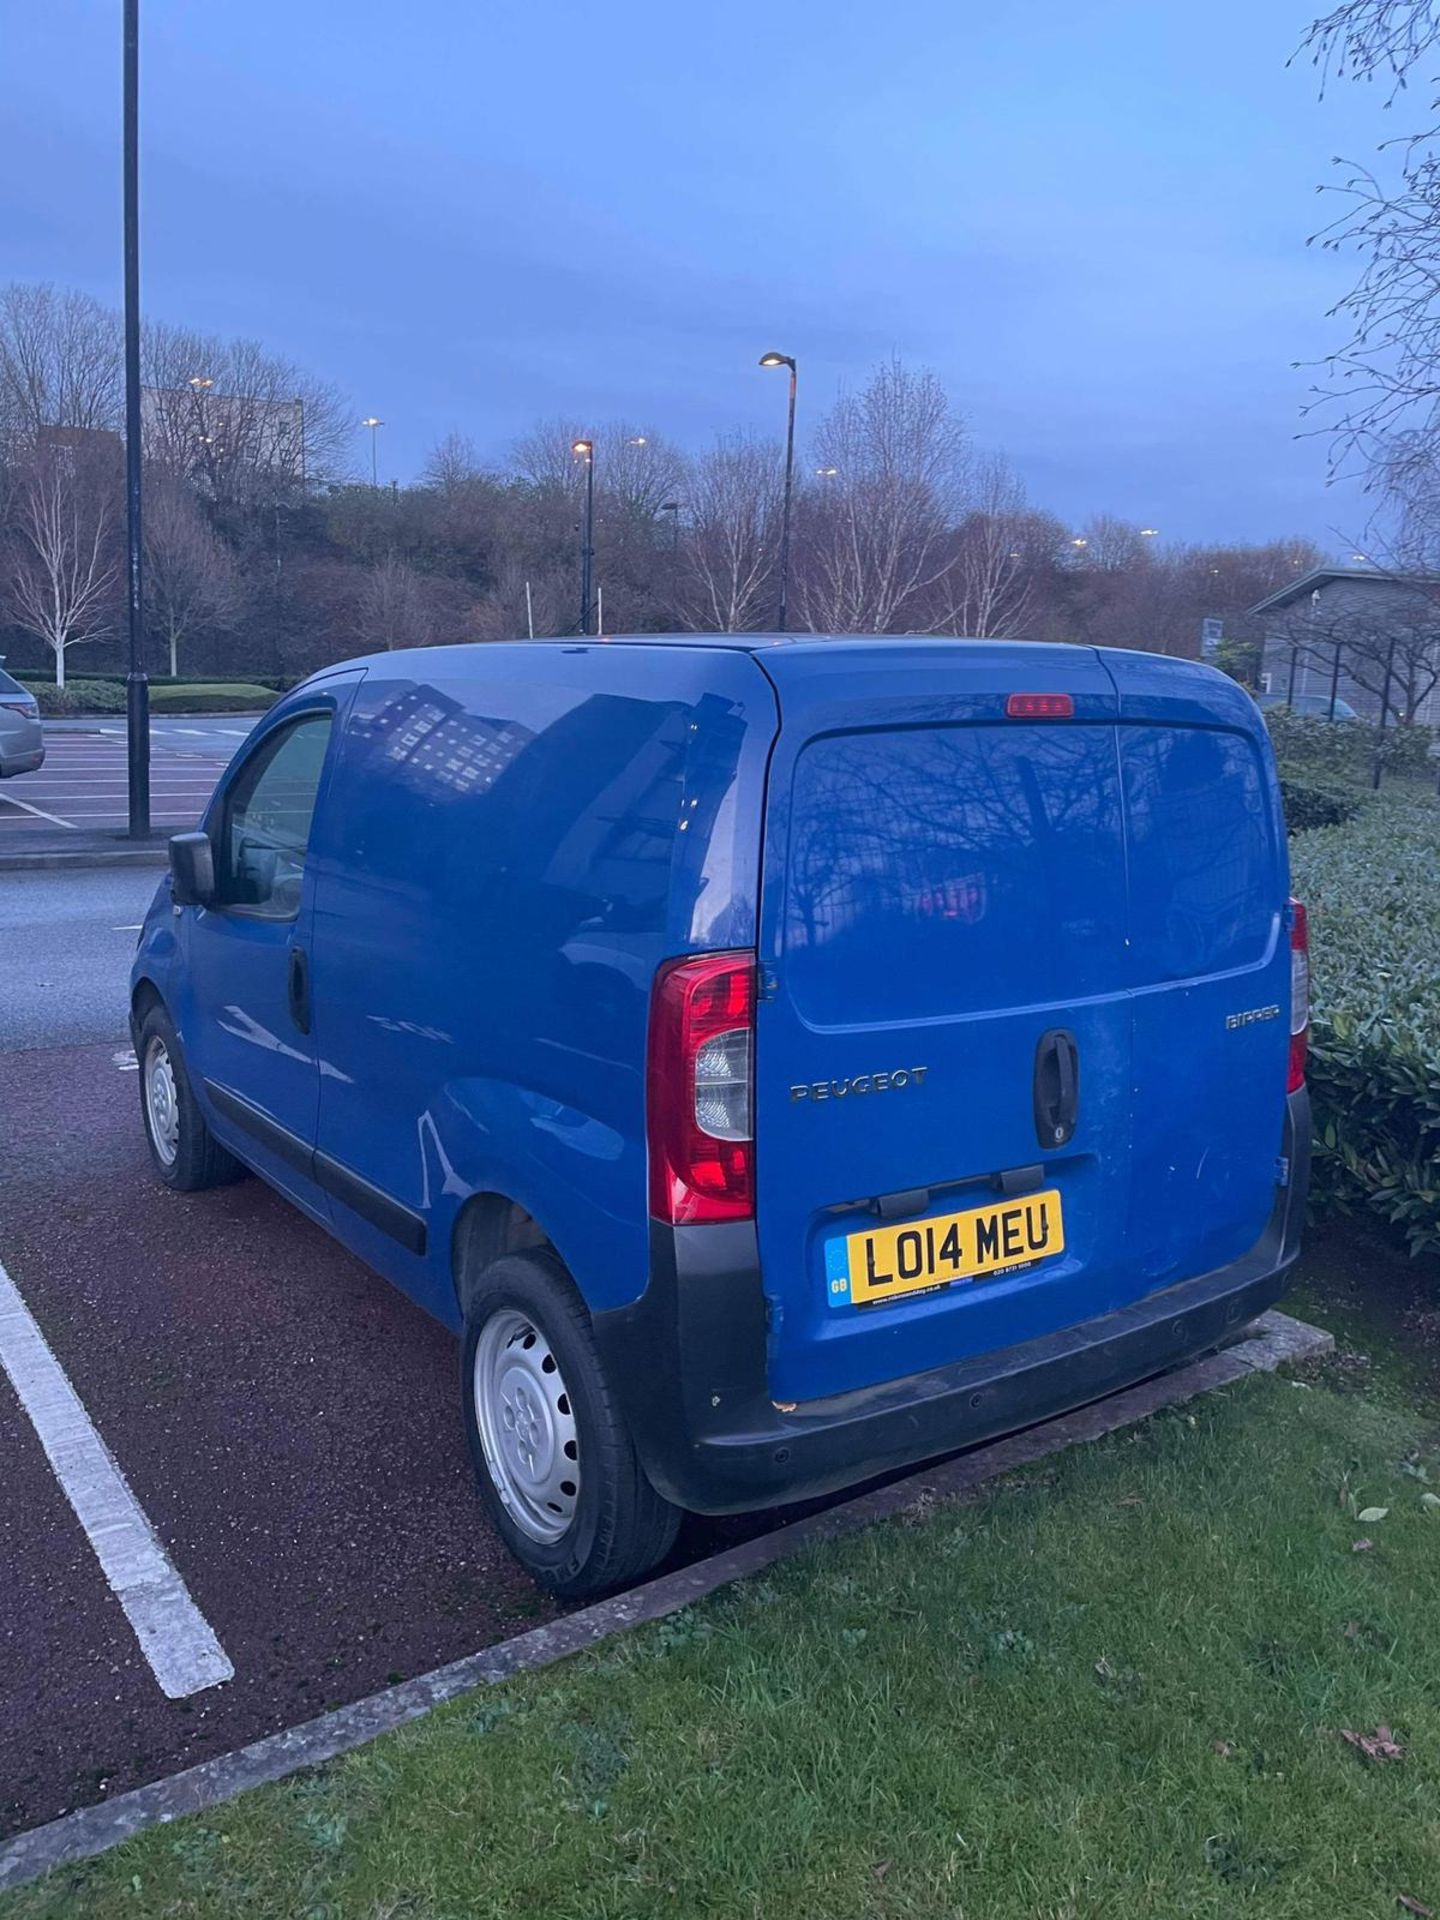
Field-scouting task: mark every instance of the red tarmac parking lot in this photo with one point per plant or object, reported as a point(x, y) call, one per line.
point(287, 1423)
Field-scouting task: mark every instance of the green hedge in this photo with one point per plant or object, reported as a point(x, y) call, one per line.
point(1307, 805)
point(218, 697)
point(108, 696)
point(276, 682)
point(78, 696)
point(1342, 753)
point(1373, 891)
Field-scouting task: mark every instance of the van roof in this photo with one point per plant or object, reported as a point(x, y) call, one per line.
point(1038, 651)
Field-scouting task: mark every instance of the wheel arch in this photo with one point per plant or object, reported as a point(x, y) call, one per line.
point(144, 996)
point(487, 1227)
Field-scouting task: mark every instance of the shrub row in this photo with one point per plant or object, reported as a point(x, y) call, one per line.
point(78, 696)
point(108, 696)
point(1342, 753)
point(226, 698)
point(1308, 805)
point(277, 683)
point(1372, 887)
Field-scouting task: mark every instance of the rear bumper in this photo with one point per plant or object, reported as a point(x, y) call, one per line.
point(30, 761)
point(688, 1362)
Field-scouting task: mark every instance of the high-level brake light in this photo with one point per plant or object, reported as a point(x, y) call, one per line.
point(1040, 706)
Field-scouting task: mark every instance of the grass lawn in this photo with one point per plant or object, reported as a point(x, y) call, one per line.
point(1113, 1686)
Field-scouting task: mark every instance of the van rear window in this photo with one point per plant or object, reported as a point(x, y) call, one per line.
point(1204, 862)
point(952, 870)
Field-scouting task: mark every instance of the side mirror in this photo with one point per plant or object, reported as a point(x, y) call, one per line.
point(192, 870)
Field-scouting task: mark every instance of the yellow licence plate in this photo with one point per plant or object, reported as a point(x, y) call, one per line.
point(884, 1263)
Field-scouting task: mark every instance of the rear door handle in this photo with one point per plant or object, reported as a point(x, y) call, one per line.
point(1057, 1087)
point(297, 988)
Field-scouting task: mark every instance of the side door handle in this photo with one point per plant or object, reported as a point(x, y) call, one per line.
point(1057, 1087)
point(297, 988)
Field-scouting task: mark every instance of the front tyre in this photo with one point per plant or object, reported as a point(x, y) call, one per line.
point(557, 1468)
point(187, 1156)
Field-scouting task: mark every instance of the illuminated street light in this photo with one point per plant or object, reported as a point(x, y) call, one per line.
point(374, 425)
point(827, 473)
point(199, 382)
point(639, 440)
point(585, 450)
point(1148, 533)
point(785, 360)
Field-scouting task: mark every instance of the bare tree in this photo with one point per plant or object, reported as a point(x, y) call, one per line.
point(508, 609)
point(453, 465)
point(192, 585)
point(1380, 398)
point(63, 565)
point(394, 609)
point(1111, 544)
point(246, 427)
point(727, 568)
point(875, 535)
point(635, 467)
point(60, 363)
point(989, 589)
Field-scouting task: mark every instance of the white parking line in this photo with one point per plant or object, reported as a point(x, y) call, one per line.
point(174, 1635)
point(39, 812)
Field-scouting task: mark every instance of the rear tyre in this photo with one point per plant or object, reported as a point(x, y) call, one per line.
point(557, 1468)
point(187, 1156)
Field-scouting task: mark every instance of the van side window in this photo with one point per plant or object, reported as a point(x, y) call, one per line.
point(266, 823)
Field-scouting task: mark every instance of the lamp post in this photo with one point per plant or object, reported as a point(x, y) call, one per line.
point(137, 686)
point(374, 425)
point(585, 450)
point(785, 360)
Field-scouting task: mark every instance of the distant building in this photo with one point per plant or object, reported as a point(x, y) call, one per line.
point(1343, 628)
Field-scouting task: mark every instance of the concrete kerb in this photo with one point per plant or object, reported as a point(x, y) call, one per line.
point(1270, 1342)
point(71, 859)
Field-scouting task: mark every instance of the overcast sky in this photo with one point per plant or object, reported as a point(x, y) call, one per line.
point(1090, 220)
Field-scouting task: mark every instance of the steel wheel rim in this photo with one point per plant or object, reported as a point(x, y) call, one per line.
point(162, 1102)
point(527, 1425)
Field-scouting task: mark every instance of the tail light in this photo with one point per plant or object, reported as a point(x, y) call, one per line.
point(1299, 995)
point(698, 1100)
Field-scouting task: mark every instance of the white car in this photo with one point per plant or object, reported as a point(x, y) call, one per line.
point(22, 745)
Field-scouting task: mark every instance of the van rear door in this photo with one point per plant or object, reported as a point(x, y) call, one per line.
point(1210, 965)
point(943, 1025)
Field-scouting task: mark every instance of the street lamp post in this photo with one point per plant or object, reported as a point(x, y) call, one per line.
point(137, 686)
point(585, 450)
point(785, 360)
point(374, 425)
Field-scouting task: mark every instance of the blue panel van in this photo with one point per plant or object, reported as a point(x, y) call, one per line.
point(779, 1059)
